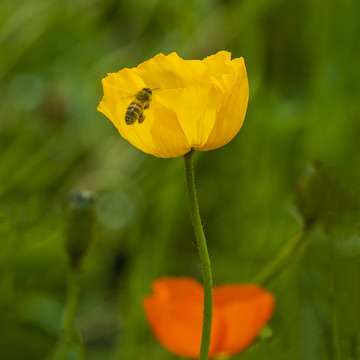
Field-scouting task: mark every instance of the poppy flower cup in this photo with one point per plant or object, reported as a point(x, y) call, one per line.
point(175, 311)
point(194, 104)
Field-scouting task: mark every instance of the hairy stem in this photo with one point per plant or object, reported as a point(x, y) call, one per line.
point(203, 252)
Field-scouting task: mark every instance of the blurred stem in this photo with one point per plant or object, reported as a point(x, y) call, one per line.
point(203, 252)
point(334, 319)
point(280, 261)
point(69, 313)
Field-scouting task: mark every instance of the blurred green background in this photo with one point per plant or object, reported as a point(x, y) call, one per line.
point(294, 164)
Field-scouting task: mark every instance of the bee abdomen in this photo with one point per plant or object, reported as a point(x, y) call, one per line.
point(133, 112)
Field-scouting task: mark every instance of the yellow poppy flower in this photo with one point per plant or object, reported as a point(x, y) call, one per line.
point(196, 104)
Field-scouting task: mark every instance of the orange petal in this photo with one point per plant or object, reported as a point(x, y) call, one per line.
point(181, 288)
point(175, 314)
point(245, 310)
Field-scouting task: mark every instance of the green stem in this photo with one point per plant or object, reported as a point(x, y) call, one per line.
point(203, 252)
point(280, 261)
point(69, 313)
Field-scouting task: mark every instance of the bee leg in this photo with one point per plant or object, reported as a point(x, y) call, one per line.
point(141, 118)
point(146, 105)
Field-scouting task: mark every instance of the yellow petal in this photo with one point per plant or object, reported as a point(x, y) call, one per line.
point(126, 80)
point(219, 63)
point(232, 112)
point(171, 72)
point(196, 107)
point(160, 134)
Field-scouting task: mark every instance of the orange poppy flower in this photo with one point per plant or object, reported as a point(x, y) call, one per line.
point(175, 312)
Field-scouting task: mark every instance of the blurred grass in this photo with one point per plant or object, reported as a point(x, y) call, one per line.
point(303, 66)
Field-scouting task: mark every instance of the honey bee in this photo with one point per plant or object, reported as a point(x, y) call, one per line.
point(135, 110)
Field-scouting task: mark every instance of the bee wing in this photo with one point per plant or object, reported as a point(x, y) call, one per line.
point(125, 95)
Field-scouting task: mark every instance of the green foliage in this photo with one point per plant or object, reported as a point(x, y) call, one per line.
point(294, 164)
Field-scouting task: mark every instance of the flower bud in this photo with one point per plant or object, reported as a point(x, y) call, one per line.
point(80, 224)
point(321, 196)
